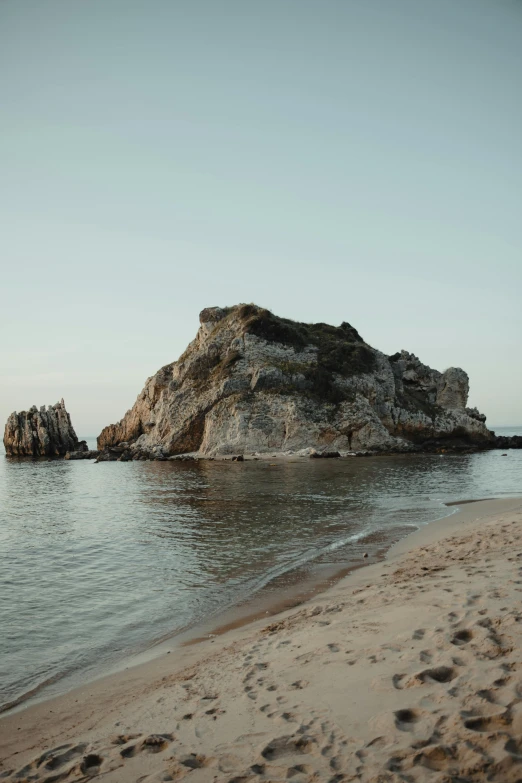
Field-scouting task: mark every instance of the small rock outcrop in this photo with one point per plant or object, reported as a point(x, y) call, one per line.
point(251, 382)
point(44, 432)
point(508, 442)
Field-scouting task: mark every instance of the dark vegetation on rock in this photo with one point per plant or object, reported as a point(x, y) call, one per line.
point(340, 349)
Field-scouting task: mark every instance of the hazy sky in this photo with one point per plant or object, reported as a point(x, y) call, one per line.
point(329, 159)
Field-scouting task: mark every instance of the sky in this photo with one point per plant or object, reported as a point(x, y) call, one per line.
point(331, 160)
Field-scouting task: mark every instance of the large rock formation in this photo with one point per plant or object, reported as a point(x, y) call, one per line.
point(47, 432)
point(253, 382)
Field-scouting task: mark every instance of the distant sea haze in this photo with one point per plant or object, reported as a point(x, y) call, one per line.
point(130, 552)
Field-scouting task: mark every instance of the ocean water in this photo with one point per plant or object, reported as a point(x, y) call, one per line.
point(100, 560)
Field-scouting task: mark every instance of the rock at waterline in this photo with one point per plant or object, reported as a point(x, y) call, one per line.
point(44, 432)
point(82, 452)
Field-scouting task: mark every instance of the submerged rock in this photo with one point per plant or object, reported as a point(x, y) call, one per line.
point(46, 432)
point(253, 382)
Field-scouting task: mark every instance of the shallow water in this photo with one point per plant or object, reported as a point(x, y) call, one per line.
point(99, 560)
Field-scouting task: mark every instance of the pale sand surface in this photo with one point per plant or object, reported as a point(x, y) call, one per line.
point(408, 670)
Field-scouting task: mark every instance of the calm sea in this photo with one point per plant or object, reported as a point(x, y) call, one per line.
point(100, 560)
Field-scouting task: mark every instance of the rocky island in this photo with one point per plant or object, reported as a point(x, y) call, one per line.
point(253, 383)
point(44, 432)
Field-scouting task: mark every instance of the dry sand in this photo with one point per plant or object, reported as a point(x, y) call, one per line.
point(408, 670)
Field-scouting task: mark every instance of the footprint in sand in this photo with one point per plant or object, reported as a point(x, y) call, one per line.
point(61, 762)
point(398, 681)
point(457, 661)
point(298, 685)
point(289, 746)
point(406, 719)
point(438, 674)
point(194, 761)
point(514, 747)
point(488, 695)
point(90, 764)
point(462, 637)
point(288, 717)
point(154, 743)
point(489, 723)
point(122, 739)
point(436, 758)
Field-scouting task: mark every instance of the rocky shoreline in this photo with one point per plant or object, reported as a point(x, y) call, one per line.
point(118, 454)
point(123, 453)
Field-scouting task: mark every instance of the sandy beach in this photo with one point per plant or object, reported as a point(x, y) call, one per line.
point(407, 670)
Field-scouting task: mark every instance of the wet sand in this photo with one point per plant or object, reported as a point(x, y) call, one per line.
point(406, 669)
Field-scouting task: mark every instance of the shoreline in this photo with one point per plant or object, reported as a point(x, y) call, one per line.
point(90, 710)
point(258, 607)
point(301, 583)
point(268, 601)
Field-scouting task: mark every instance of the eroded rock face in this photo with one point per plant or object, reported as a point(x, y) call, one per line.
point(453, 389)
point(46, 432)
point(253, 382)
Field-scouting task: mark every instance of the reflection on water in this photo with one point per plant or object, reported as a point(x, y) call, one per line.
point(98, 560)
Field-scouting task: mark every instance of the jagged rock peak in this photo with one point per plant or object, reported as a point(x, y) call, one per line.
point(44, 432)
point(251, 381)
